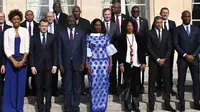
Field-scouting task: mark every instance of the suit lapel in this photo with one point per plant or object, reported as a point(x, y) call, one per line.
point(39, 41)
point(141, 22)
point(75, 37)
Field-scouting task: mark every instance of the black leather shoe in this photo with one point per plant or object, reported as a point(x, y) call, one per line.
point(182, 107)
point(127, 107)
point(173, 93)
point(83, 93)
point(197, 106)
point(150, 110)
point(158, 94)
point(168, 107)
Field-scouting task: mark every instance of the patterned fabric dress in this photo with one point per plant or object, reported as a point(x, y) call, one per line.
point(98, 51)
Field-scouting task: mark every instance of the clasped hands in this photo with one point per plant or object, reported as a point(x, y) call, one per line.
point(18, 64)
point(161, 62)
point(189, 58)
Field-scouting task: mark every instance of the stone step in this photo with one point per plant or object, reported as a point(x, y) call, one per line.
point(111, 98)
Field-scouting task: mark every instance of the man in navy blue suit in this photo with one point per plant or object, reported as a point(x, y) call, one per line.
point(187, 44)
point(72, 55)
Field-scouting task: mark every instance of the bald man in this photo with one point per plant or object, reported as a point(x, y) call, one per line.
point(33, 28)
point(60, 17)
point(187, 44)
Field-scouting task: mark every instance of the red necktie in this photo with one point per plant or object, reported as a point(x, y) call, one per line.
point(117, 20)
point(1, 29)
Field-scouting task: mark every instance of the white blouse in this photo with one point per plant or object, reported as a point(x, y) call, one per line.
point(131, 38)
point(9, 41)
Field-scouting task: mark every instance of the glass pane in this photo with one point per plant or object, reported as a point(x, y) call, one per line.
point(196, 23)
point(135, 1)
point(196, 11)
point(66, 2)
point(39, 11)
point(142, 10)
point(38, 2)
point(67, 10)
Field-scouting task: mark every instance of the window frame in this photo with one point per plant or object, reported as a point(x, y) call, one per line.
point(194, 3)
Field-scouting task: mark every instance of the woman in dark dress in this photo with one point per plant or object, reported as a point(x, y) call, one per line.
point(16, 47)
point(131, 60)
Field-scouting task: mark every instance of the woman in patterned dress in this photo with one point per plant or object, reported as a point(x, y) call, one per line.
point(99, 65)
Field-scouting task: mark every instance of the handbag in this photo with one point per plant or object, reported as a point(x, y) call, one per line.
point(20, 58)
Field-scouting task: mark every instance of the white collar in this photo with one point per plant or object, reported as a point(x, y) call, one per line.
point(41, 34)
point(186, 26)
point(96, 34)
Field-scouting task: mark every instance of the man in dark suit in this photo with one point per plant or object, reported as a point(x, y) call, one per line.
point(159, 46)
point(54, 28)
point(43, 61)
point(187, 44)
point(72, 56)
point(112, 31)
point(33, 28)
point(84, 25)
point(60, 17)
point(170, 26)
point(143, 28)
point(3, 28)
point(117, 16)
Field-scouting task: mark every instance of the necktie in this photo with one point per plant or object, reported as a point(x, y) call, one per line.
point(1, 29)
point(29, 29)
point(165, 25)
point(117, 20)
point(138, 25)
point(43, 40)
point(159, 36)
point(107, 27)
point(50, 29)
point(71, 34)
point(56, 19)
point(187, 30)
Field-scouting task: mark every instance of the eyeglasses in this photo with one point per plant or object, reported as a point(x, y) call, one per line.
point(136, 11)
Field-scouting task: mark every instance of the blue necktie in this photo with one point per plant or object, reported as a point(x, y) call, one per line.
point(187, 30)
point(43, 40)
point(50, 30)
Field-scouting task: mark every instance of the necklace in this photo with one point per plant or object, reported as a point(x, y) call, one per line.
point(131, 49)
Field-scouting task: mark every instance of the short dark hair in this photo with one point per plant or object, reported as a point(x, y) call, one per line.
point(135, 7)
point(43, 20)
point(28, 11)
point(14, 13)
point(164, 8)
point(106, 9)
point(157, 18)
point(125, 24)
point(92, 28)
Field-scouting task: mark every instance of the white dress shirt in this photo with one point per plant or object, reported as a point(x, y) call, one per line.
point(185, 27)
point(167, 24)
point(2, 26)
point(32, 25)
point(69, 30)
point(52, 25)
point(131, 38)
point(58, 16)
point(9, 40)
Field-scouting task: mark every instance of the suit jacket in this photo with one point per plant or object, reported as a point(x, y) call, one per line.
point(43, 58)
point(113, 32)
point(62, 19)
point(84, 25)
point(156, 50)
point(77, 50)
point(2, 54)
point(122, 49)
point(123, 17)
point(187, 44)
point(35, 27)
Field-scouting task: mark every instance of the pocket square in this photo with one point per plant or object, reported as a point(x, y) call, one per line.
point(76, 33)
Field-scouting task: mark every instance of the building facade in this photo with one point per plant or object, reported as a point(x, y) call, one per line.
point(93, 8)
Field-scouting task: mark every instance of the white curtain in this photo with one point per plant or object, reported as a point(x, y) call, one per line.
point(34, 5)
point(67, 6)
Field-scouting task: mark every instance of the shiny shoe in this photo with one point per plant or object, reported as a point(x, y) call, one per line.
point(168, 107)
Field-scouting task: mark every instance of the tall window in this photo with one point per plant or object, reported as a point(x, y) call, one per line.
point(196, 12)
point(1, 4)
point(126, 6)
point(40, 7)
